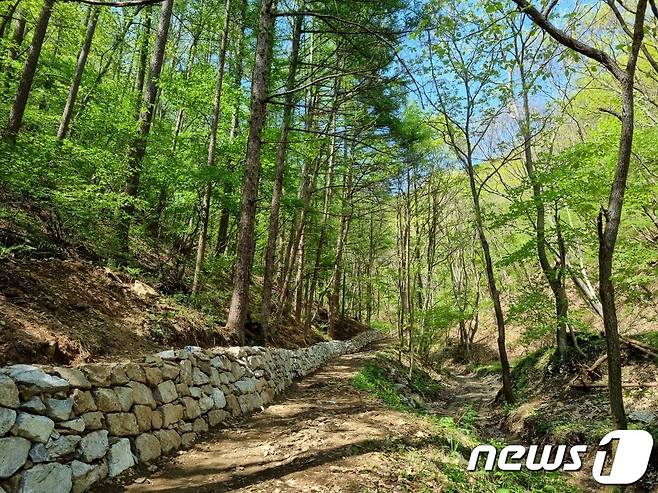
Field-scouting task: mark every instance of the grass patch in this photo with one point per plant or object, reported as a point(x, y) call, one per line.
point(441, 464)
point(649, 338)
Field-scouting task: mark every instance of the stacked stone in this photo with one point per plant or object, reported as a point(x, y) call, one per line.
point(64, 429)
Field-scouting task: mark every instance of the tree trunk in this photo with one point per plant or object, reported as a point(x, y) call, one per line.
point(212, 152)
point(18, 35)
point(238, 309)
point(493, 289)
point(7, 18)
point(273, 226)
point(138, 148)
point(608, 228)
point(25, 85)
point(79, 72)
point(222, 233)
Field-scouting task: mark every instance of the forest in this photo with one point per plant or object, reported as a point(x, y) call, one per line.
point(476, 179)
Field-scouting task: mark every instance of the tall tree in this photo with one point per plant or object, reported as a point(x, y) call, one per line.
point(239, 305)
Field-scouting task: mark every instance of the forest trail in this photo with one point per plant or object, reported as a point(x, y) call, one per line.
point(323, 435)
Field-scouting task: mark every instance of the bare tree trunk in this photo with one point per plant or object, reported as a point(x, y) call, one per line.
point(493, 288)
point(246, 242)
point(25, 85)
point(273, 227)
point(79, 72)
point(212, 152)
point(222, 233)
point(138, 147)
point(18, 35)
point(325, 215)
point(8, 17)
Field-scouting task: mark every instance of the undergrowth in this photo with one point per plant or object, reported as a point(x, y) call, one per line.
point(441, 464)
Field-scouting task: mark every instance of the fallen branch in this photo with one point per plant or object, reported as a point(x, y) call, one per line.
point(590, 386)
point(639, 346)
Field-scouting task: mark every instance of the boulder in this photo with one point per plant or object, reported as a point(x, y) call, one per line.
point(119, 376)
point(54, 449)
point(13, 455)
point(643, 416)
point(200, 426)
point(107, 400)
point(153, 375)
point(142, 395)
point(74, 425)
point(188, 439)
point(169, 440)
point(85, 475)
point(206, 403)
point(216, 417)
point(75, 378)
point(192, 409)
point(59, 409)
point(93, 446)
point(185, 372)
point(119, 457)
point(144, 416)
point(171, 414)
point(122, 424)
point(157, 419)
point(99, 375)
point(36, 379)
point(8, 392)
point(148, 447)
point(165, 392)
point(34, 405)
point(125, 397)
point(83, 402)
point(7, 420)
point(143, 290)
point(199, 378)
point(246, 386)
point(219, 399)
point(51, 478)
point(34, 428)
point(135, 372)
point(170, 371)
point(93, 420)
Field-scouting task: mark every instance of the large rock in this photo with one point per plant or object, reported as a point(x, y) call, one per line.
point(171, 414)
point(8, 392)
point(148, 447)
point(98, 374)
point(107, 400)
point(93, 446)
point(74, 377)
point(120, 458)
point(206, 403)
point(142, 395)
point(216, 417)
point(219, 399)
point(93, 420)
point(643, 416)
point(246, 386)
point(170, 371)
point(144, 416)
point(59, 409)
point(165, 392)
point(36, 379)
point(200, 425)
point(122, 424)
point(13, 455)
point(7, 420)
point(76, 425)
point(119, 375)
point(54, 449)
point(169, 440)
point(185, 372)
point(199, 378)
point(143, 290)
point(34, 428)
point(85, 475)
point(83, 402)
point(153, 375)
point(135, 372)
point(192, 409)
point(50, 478)
point(125, 396)
point(34, 405)
point(157, 419)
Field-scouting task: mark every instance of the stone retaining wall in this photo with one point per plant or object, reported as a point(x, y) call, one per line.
point(64, 429)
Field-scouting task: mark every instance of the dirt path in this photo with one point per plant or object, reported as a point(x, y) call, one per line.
point(322, 436)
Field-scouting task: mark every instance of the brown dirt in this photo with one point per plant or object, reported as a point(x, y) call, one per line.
point(322, 436)
point(58, 311)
